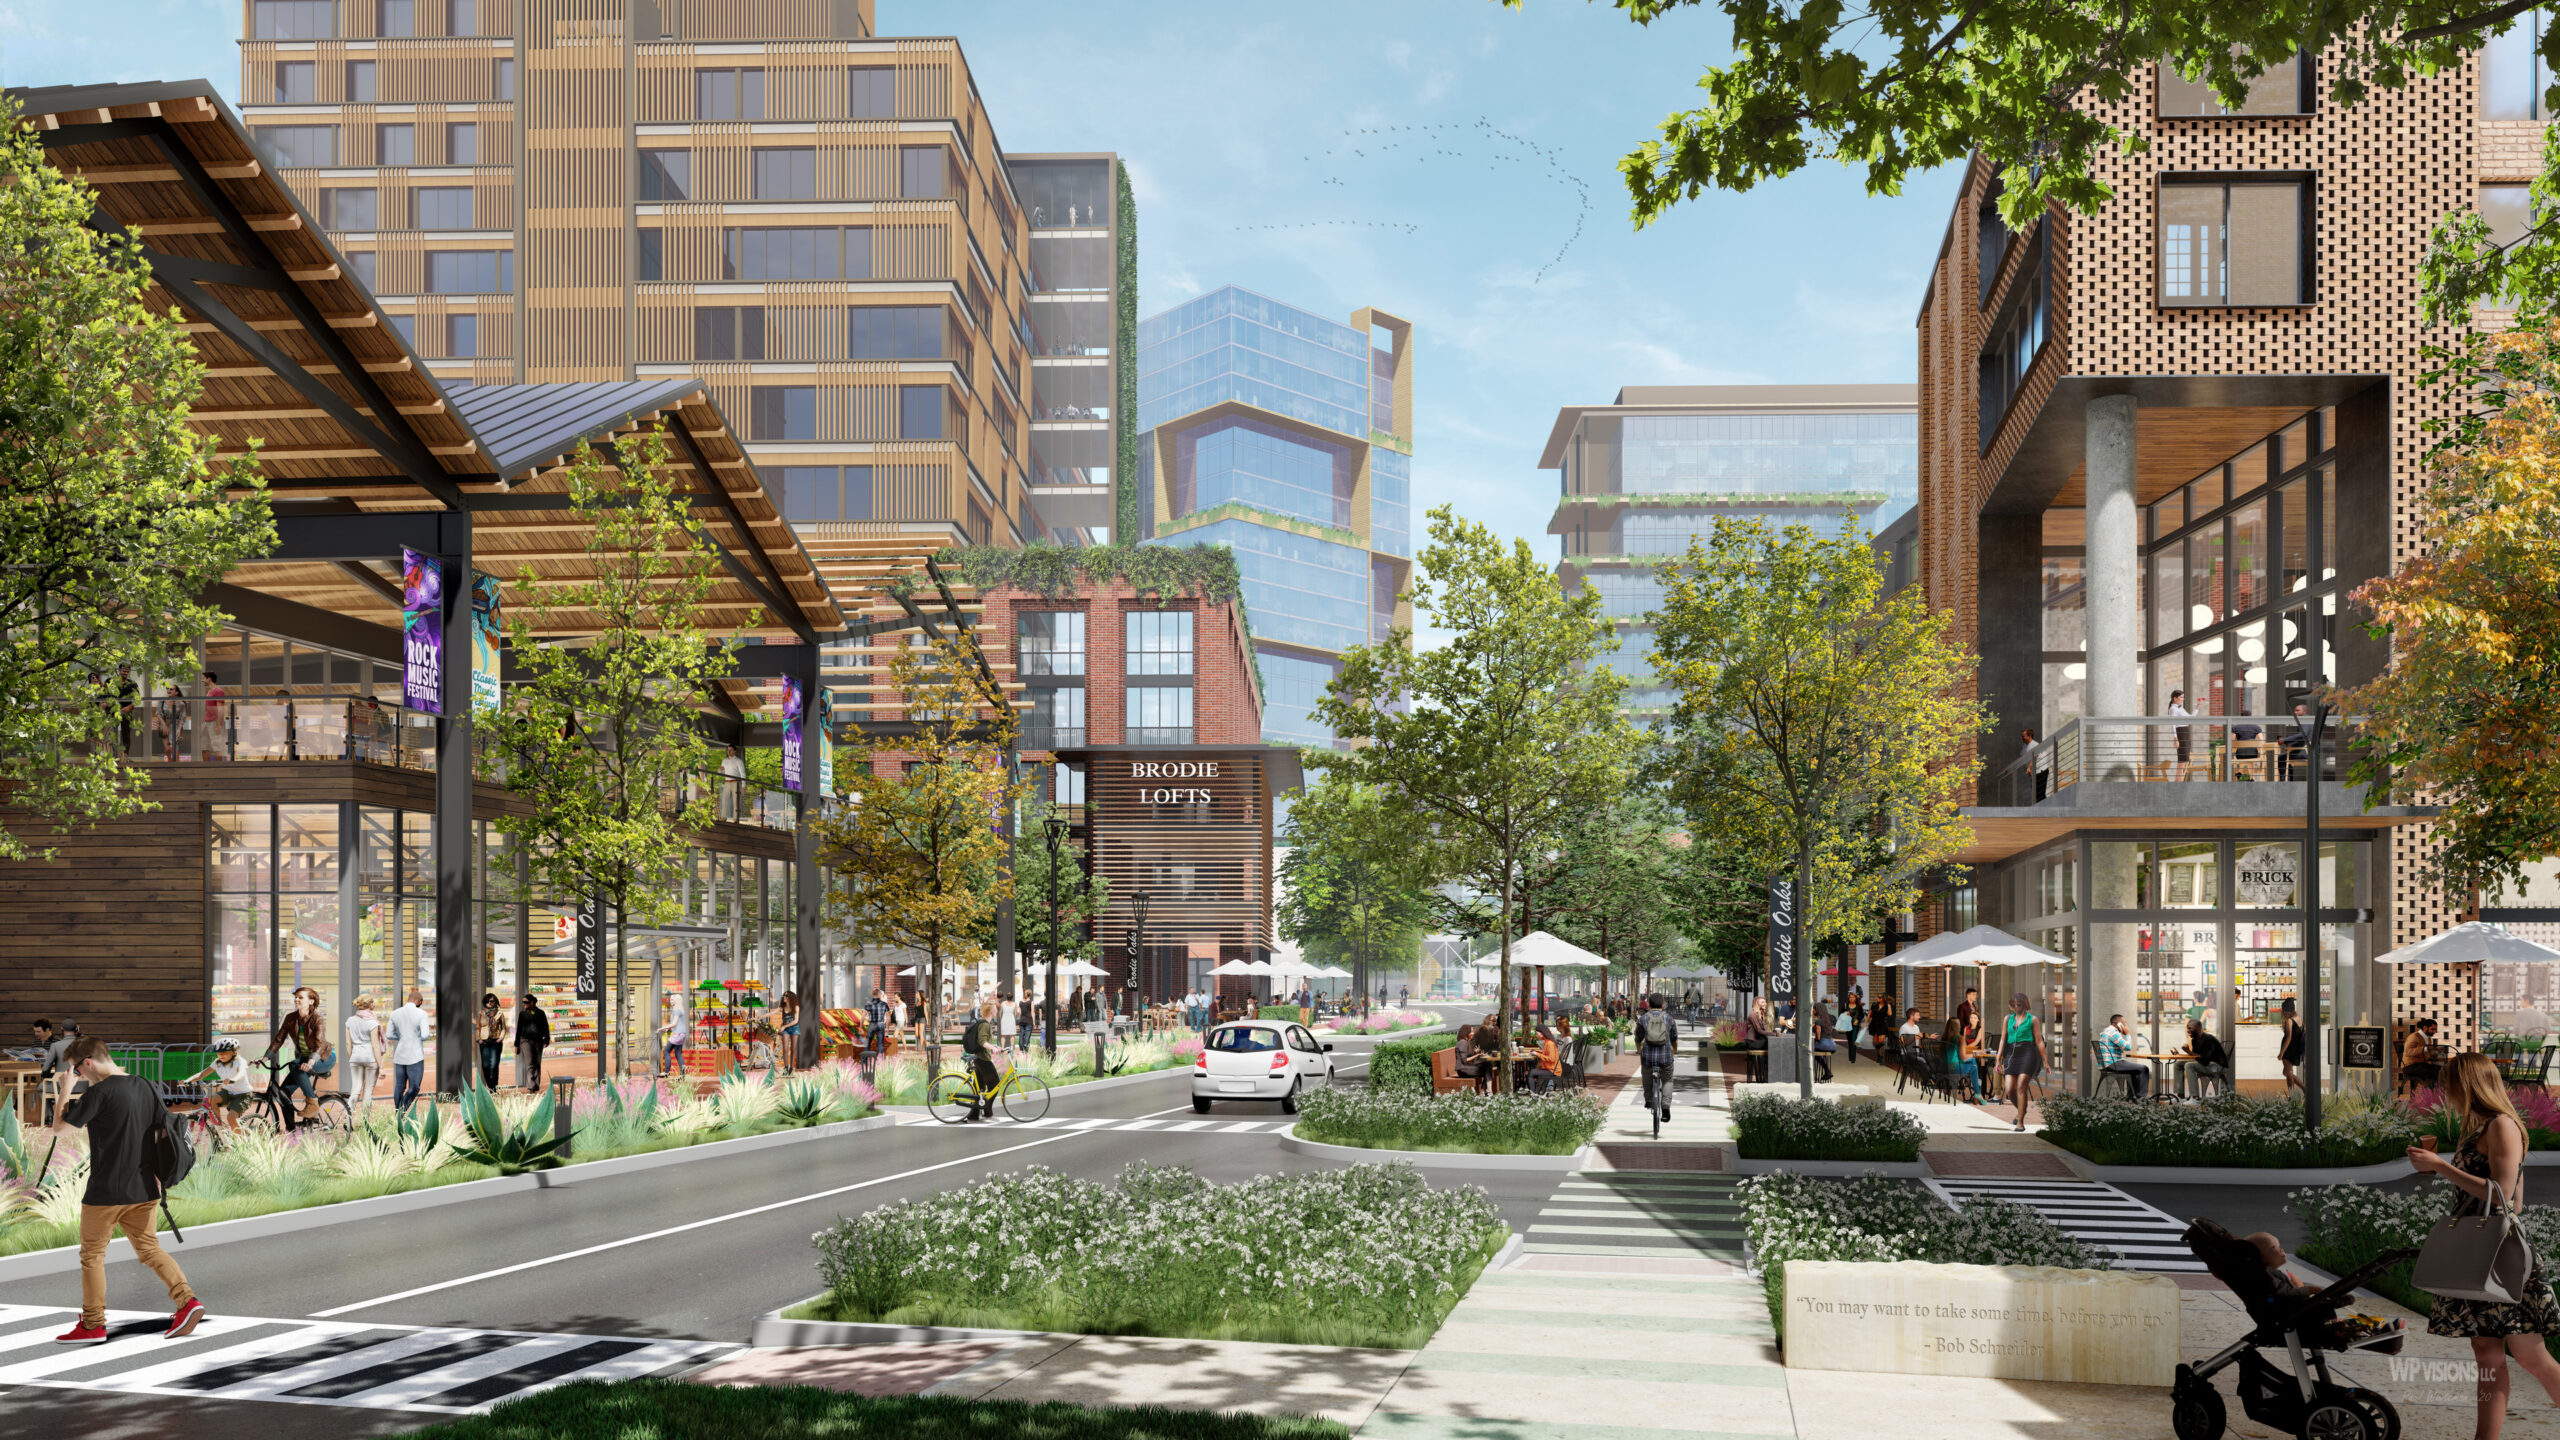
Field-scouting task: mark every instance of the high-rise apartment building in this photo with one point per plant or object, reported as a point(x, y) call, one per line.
point(1287, 437)
point(1643, 476)
point(816, 220)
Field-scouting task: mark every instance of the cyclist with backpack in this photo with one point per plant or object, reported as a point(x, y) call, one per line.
point(1658, 1040)
point(134, 1157)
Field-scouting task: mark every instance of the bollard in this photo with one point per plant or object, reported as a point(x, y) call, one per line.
point(564, 1097)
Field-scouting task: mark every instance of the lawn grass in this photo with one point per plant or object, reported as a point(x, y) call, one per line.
point(673, 1410)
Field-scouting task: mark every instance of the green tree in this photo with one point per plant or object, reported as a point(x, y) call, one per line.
point(1720, 907)
point(118, 513)
point(1816, 723)
point(1356, 876)
point(1497, 739)
point(1606, 887)
point(1081, 896)
point(600, 739)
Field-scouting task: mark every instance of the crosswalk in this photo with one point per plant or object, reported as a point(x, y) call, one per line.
point(1160, 1123)
point(1640, 1214)
point(2094, 1212)
point(426, 1369)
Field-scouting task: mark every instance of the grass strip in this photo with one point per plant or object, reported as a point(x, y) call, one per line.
point(673, 1410)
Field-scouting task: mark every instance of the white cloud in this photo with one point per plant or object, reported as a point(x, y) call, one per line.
point(1399, 53)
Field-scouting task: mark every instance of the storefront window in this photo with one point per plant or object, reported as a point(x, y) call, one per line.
point(240, 929)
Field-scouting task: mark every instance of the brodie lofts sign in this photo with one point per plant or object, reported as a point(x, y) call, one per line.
point(1173, 770)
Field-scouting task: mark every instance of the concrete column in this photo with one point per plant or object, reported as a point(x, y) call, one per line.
point(2113, 564)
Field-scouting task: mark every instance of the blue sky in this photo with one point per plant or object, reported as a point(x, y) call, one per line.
point(1266, 152)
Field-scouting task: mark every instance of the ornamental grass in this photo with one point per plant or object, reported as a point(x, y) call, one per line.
point(2235, 1131)
point(1778, 1127)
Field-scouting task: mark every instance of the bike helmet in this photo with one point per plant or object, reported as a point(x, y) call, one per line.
point(226, 1047)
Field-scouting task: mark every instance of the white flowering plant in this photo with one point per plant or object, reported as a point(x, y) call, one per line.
point(1365, 1255)
point(1557, 1123)
point(2237, 1131)
point(1796, 1217)
point(1780, 1127)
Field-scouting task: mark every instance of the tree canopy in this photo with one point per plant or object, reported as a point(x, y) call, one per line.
point(1356, 875)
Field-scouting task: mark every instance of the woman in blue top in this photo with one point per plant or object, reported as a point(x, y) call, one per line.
point(1963, 1069)
point(2021, 1052)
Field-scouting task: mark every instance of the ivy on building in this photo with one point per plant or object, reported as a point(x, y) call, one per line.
point(1124, 349)
point(1207, 572)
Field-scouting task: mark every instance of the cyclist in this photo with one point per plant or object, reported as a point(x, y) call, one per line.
point(312, 1057)
point(973, 1045)
point(231, 1093)
point(1658, 1039)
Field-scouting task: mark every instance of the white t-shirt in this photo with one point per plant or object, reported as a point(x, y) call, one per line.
point(1008, 1023)
point(408, 1029)
point(1911, 1028)
point(675, 1028)
point(361, 1028)
point(234, 1077)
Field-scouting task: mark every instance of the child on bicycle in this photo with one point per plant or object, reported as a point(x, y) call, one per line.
point(231, 1094)
point(982, 1066)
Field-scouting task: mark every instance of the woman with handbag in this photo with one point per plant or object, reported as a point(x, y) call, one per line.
point(2021, 1053)
point(2489, 1160)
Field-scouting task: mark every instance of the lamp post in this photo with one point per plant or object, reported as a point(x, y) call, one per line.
point(2309, 887)
point(1049, 981)
point(1138, 958)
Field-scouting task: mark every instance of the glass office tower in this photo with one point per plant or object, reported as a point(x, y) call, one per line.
point(1287, 437)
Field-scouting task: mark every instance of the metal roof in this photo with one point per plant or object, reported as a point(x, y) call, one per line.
point(527, 425)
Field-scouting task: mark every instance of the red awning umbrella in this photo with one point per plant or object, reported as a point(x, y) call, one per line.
point(1854, 970)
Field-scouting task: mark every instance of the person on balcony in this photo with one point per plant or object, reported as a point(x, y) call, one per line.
point(2027, 752)
point(2297, 746)
point(2185, 733)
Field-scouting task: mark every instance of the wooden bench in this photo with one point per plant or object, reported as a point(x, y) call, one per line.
point(1445, 1076)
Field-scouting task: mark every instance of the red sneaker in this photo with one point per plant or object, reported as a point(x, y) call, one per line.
point(82, 1335)
point(184, 1322)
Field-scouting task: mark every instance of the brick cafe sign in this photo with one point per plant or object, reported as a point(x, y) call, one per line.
point(2264, 875)
point(1161, 770)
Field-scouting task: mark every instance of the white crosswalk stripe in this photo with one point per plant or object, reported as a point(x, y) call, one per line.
point(1156, 1125)
point(2094, 1212)
point(427, 1369)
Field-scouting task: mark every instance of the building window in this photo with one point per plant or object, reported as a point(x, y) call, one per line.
point(462, 336)
point(666, 174)
point(395, 18)
point(1056, 717)
point(2512, 77)
point(810, 493)
point(920, 412)
point(359, 82)
point(503, 84)
point(293, 20)
point(2015, 340)
point(2234, 242)
point(462, 144)
point(649, 255)
point(1159, 715)
point(406, 326)
point(786, 173)
point(352, 208)
point(440, 207)
point(1049, 642)
point(471, 272)
point(1160, 642)
point(894, 332)
point(2283, 90)
point(297, 82)
point(922, 171)
point(728, 332)
point(462, 17)
point(872, 92)
point(286, 145)
point(360, 265)
point(729, 94)
point(785, 412)
point(778, 252)
point(395, 144)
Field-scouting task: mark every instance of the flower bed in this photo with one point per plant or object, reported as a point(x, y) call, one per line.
point(2238, 1131)
point(262, 1174)
point(1775, 1127)
point(1365, 1255)
point(2540, 1113)
point(2347, 1226)
point(1405, 1064)
point(901, 1077)
point(1463, 1121)
point(1796, 1217)
point(1383, 1022)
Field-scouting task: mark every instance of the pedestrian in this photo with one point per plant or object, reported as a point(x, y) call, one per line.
point(2021, 1053)
point(533, 1034)
point(788, 1053)
point(982, 1068)
point(674, 1033)
point(122, 1114)
point(491, 1026)
point(876, 1011)
point(313, 1055)
point(2491, 1153)
point(364, 1054)
point(1008, 1026)
point(407, 1029)
point(51, 1042)
point(2289, 1050)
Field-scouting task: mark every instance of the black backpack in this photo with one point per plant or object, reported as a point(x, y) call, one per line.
point(167, 1158)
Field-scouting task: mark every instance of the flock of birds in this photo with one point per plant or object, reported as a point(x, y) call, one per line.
point(1482, 142)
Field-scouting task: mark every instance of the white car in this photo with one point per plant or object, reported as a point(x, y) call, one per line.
point(1258, 1060)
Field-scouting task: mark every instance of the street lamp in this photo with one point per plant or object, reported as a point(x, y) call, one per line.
point(1138, 958)
point(2309, 887)
point(1049, 983)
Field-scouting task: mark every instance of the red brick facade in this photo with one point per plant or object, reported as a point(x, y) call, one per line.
point(1226, 703)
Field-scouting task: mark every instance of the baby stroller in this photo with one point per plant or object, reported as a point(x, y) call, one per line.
point(2301, 1397)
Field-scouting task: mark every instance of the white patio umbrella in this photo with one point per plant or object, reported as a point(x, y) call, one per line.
point(1081, 967)
point(1233, 967)
point(1540, 948)
point(1981, 945)
point(2471, 943)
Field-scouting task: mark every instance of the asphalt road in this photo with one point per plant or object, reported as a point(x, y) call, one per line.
point(692, 1251)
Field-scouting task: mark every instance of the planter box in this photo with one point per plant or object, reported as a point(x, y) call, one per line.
point(2007, 1322)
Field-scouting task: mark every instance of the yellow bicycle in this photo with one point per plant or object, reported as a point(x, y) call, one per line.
point(1023, 1095)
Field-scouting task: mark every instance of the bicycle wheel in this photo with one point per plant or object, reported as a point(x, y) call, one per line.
point(1026, 1098)
point(330, 1113)
point(262, 1117)
point(950, 1097)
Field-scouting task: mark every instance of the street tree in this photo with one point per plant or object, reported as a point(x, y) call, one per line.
point(601, 738)
point(1498, 738)
point(1079, 896)
point(2467, 717)
point(1607, 885)
point(119, 515)
point(1818, 727)
point(1357, 873)
point(917, 836)
point(1718, 903)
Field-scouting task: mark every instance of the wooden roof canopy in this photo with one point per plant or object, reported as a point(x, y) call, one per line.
point(297, 354)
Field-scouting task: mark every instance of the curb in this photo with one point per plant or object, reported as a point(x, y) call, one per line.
point(1511, 1250)
point(1433, 1159)
point(66, 1258)
point(2226, 1175)
point(1741, 1164)
point(772, 1331)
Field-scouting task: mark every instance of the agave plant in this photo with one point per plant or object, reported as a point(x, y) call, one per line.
point(804, 1103)
point(14, 1159)
point(512, 1149)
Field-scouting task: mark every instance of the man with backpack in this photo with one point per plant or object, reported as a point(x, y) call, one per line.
point(1657, 1041)
point(134, 1157)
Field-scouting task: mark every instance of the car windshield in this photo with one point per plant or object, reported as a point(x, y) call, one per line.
point(1244, 1039)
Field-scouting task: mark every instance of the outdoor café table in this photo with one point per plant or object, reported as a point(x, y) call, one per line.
point(2159, 1077)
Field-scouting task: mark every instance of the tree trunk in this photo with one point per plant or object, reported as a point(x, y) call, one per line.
point(1502, 990)
point(1803, 944)
point(621, 969)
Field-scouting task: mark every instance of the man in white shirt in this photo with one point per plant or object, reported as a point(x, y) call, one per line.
point(407, 1029)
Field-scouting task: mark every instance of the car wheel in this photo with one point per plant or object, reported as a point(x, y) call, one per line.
point(1289, 1102)
point(1199, 1106)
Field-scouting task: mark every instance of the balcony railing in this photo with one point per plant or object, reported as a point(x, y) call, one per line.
point(1051, 737)
point(1160, 735)
point(2168, 749)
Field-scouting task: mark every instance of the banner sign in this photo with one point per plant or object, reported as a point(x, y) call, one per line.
point(1782, 938)
point(591, 950)
point(486, 597)
point(2361, 1047)
point(1133, 959)
point(826, 742)
point(792, 699)
point(421, 631)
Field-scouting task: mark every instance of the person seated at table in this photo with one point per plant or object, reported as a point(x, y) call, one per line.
point(2207, 1060)
point(1471, 1061)
point(1758, 1026)
point(1548, 1072)
point(2418, 1061)
point(2244, 746)
point(1963, 1071)
point(2115, 1050)
point(1910, 1031)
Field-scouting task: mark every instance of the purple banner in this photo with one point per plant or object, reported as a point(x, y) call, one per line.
point(422, 631)
point(792, 703)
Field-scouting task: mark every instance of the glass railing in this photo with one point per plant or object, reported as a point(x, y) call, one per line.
point(1160, 735)
point(199, 727)
point(2169, 749)
point(1050, 737)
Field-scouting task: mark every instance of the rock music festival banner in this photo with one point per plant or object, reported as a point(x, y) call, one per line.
point(792, 698)
point(421, 631)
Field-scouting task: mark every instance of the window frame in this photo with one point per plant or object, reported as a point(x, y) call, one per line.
point(504, 266)
point(778, 411)
point(801, 163)
point(737, 95)
point(454, 325)
point(382, 132)
point(740, 328)
point(308, 70)
point(455, 130)
point(406, 10)
point(2306, 95)
point(367, 93)
point(331, 201)
point(908, 395)
point(2306, 235)
point(855, 77)
point(325, 12)
point(259, 141)
point(419, 197)
point(656, 177)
